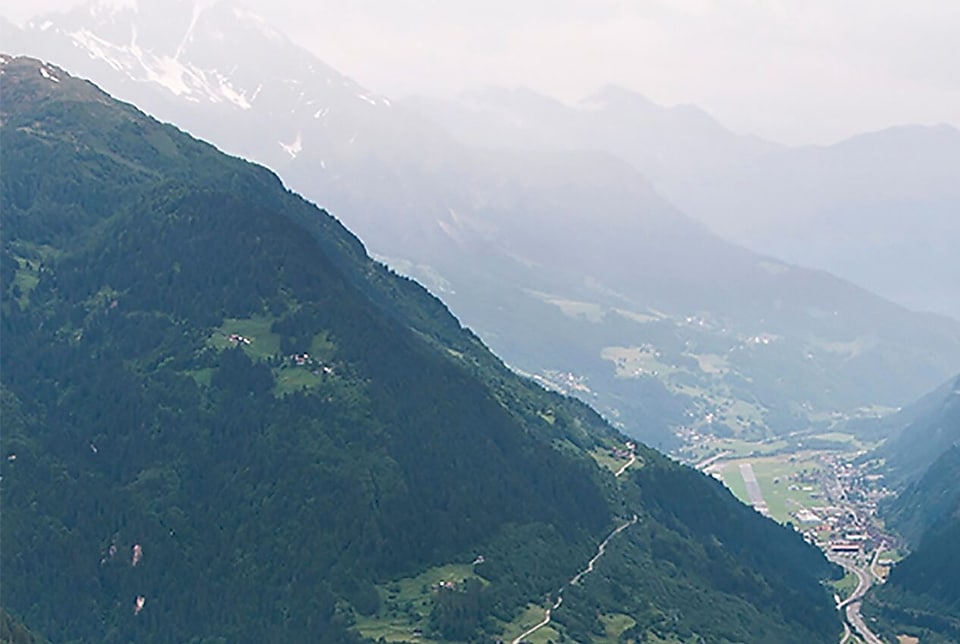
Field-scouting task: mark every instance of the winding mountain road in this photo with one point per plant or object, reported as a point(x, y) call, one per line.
point(601, 550)
point(633, 459)
point(575, 580)
point(546, 620)
point(704, 464)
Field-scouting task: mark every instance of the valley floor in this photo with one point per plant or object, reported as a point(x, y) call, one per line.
point(822, 492)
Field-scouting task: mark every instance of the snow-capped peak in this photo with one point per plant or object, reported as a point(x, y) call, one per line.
point(208, 53)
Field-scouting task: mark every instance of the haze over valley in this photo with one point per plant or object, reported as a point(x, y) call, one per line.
point(206, 370)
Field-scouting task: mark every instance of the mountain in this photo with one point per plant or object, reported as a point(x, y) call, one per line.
point(922, 594)
point(921, 460)
point(920, 433)
point(876, 209)
point(663, 143)
point(567, 262)
point(929, 500)
point(224, 422)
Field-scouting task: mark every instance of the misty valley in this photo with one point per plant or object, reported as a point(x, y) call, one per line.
point(288, 360)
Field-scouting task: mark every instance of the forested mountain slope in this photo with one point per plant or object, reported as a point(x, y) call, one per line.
point(919, 434)
point(223, 421)
point(921, 460)
point(922, 593)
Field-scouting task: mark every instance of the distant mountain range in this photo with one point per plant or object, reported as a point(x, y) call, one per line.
point(663, 143)
point(878, 209)
point(223, 421)
point(567, 262)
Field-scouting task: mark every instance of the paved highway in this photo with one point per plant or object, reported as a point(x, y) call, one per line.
point(851, 605)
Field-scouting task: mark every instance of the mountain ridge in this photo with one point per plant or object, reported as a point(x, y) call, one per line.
point(579, 243)
point(210, 390)
point(838, 207)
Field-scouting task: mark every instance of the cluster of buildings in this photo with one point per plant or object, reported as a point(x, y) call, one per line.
point(836, 529)
point(300, 359)
point(849, 523)
point(304, 360)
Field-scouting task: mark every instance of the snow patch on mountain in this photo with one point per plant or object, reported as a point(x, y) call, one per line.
point(46, 74)
point(197, 10)
point(373, 100)
point(185, 80)
point(232, 95)
point(178, 48)
point(169, 73)
point(97, 48)
point(294, 148)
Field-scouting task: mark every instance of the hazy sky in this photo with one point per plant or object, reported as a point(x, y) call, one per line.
point(795, 71)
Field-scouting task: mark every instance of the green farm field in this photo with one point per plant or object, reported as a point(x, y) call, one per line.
point(406, 604)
